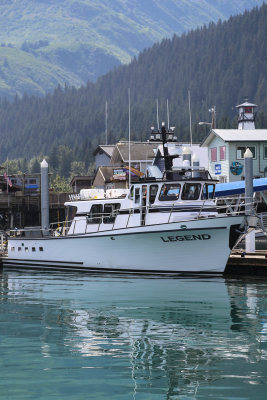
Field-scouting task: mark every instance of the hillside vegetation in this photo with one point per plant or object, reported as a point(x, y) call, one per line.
point(220, 64)
point(50, 42)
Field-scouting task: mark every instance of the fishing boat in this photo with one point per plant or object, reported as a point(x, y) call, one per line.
point(160, 225)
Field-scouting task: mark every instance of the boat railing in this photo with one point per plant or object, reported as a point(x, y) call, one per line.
point(199, 209)
point(60, 228)
point(235, 205)
point(29, 232)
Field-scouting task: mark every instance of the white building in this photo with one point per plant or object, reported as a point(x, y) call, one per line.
point(226, 147)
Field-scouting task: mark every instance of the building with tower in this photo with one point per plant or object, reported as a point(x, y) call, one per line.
point(226, 147)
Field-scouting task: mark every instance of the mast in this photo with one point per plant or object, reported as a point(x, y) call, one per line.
point(167, 158)
point(106, 121)
point(129, 102)
point(168, 115)
point(190, 119)
point(157, 113)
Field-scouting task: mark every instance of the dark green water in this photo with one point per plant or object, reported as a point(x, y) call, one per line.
point(75, 336)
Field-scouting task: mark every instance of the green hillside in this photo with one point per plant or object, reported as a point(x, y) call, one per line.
point(220, 64)
point(73, 41)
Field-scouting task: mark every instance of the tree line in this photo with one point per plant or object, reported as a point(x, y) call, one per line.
point(220, 64)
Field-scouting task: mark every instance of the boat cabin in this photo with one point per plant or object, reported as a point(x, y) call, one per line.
point(182, 193)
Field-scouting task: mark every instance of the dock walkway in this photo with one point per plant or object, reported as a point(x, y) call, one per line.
point(242, 263)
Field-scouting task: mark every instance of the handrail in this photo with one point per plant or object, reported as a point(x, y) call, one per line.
point(172, 208)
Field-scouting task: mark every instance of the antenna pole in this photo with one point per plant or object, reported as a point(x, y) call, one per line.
point(168, 115)
point(158, 114)
point(190, 119)
point(129, 101)
point(106, 121)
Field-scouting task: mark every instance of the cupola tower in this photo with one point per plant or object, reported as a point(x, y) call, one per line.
point(246, 115)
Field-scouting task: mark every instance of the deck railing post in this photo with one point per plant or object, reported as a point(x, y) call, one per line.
point(250, 237)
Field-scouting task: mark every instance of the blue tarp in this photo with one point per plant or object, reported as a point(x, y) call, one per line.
point(32, 186)
point(228, 189)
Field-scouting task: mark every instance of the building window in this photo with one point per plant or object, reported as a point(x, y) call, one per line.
point(213, 154)
point(240, 151)
point(222, 153)
point(265, 152)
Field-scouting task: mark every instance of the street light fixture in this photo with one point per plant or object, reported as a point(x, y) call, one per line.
point(205, 123)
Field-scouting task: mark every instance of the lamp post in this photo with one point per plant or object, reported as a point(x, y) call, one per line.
point(212, 124)
point(205, 123)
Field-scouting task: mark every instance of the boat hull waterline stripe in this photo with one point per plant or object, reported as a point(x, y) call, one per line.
point(53, 266)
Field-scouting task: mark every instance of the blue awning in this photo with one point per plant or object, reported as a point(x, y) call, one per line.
point(32, 186)
point(231, 188)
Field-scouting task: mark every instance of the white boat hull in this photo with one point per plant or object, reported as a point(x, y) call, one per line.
point(197, 246)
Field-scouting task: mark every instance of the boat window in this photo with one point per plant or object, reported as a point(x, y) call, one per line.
point(12, 248)
point(19, 248)
point(110, 213)
point(137, 195)
point(191, 191)
point(95, 215)
point(41, 249)
point(26, 249)
point(153, 190)
point(208, 191)
point(131, 195)
point(71, 212)
point(33, 249)
point(170, 192)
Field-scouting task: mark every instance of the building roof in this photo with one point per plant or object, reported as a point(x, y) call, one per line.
point(107, 149)
point(140, 151)
point(236, 135)
point(246, 104)
point(106, 172)
point(79, 178)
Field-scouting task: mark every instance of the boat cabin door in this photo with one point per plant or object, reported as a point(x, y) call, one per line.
point(140, 198)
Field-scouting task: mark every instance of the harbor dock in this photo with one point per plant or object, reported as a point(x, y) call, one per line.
point(242, 263)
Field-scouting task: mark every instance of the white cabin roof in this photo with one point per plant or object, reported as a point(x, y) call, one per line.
point(236, 135)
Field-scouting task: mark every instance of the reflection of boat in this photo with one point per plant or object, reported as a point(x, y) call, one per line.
point(178, 335)
point(162, 225)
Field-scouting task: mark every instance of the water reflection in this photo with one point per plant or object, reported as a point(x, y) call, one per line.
point(135, 337)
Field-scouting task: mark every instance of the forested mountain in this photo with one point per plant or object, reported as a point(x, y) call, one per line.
point(220, 64)
point(50, 42)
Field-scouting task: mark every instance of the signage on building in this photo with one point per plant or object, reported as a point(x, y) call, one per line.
point(236, 168)
point(119, 175)
point(218, 169)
